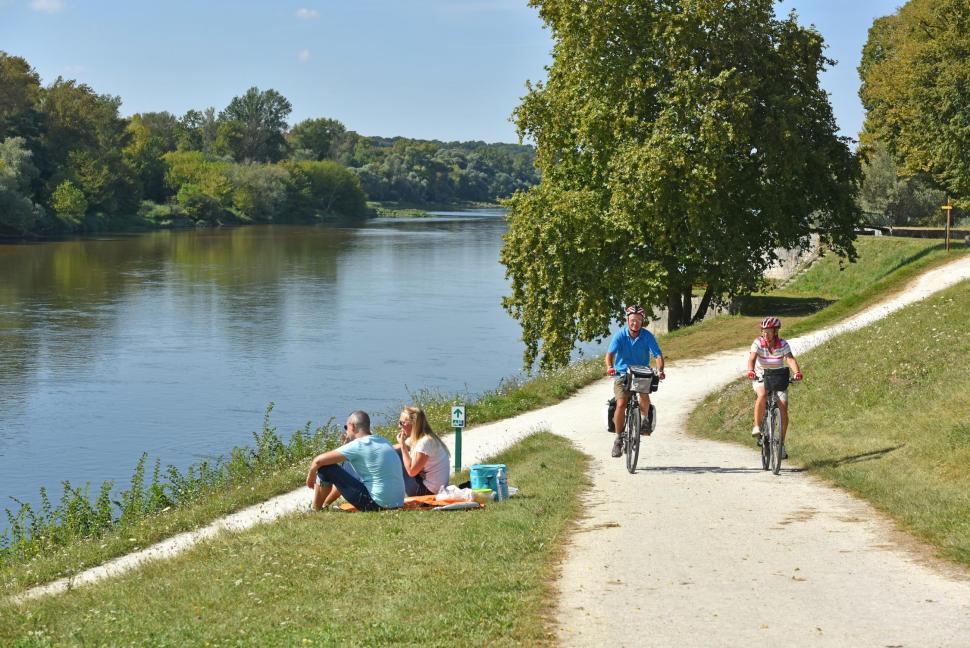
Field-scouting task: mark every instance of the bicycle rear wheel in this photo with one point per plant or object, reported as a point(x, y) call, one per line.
point(632, 437)
point(776, 449)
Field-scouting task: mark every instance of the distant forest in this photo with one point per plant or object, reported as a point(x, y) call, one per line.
point(69, 163)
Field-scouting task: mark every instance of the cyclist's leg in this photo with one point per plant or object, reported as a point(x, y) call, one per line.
point(644, 405)
point(759, 405)
point(619, 416)
point(783, 408)
point(622, 397)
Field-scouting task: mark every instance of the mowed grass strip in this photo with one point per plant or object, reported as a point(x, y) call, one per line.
point(425, 578)
point(885, 413)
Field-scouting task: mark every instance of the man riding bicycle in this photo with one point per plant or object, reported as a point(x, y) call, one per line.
point(631, 345)
point(770, 352)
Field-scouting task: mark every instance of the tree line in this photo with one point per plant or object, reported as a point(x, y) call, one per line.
point(915, 142)
point(70, 162)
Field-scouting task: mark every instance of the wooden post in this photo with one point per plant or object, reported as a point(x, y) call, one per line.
point(948, 209)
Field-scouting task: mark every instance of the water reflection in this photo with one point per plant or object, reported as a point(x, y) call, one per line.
point(174, 342)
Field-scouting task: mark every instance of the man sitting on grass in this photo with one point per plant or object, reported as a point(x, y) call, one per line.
point(381, 483)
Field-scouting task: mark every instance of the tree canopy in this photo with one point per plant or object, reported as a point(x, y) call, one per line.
point(256, 123)
point(916, 91)
point(679, 143)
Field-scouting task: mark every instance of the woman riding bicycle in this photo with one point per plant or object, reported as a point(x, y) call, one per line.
point(770, 352)
point(631, 345)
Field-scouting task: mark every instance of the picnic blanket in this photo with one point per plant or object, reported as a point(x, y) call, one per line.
point(423, 503)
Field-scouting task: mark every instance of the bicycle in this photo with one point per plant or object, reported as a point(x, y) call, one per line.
point(639, 379)
point(772, 445)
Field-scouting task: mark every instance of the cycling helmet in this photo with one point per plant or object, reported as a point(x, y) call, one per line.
point(771, 322)
point(634, 309)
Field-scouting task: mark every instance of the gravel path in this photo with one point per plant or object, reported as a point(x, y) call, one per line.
point(700, 546)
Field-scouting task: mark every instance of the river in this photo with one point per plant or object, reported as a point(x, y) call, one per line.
point(174, 342)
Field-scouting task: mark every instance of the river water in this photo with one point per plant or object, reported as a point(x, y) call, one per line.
point(173, 343)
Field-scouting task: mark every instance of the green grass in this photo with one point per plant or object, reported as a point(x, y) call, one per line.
point(883, 413)
point(335, 579)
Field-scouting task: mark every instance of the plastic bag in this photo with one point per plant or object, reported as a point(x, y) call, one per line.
point(452, 493)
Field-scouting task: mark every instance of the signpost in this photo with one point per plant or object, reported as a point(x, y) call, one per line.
point(457, 422)
point(948, 208)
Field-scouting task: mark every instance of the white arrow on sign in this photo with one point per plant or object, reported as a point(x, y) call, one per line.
point(458, 416)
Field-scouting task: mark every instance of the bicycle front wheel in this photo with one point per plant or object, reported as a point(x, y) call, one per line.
point(776, 446)
point(632, 437)
point(765, 443)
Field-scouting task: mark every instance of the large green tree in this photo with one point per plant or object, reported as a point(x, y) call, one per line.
point(916, 91)
point(679, 144)
point(151, 135)
point(259, 117)
point(84, 143)
point(19, 95)
point(313, 139)
point(18, 213)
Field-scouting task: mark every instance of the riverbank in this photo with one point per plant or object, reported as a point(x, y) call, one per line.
point(741, 544)
point(884, 269)
point(388, 209)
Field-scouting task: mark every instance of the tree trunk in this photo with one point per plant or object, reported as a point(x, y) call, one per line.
point(704, 305)
point(675, 309)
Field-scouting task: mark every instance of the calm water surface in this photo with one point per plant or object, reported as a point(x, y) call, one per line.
point(175, 342)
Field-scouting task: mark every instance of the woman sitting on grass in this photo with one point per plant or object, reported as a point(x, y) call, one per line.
point(424, 455)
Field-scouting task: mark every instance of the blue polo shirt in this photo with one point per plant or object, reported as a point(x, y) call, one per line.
point(379, 467)
point(633, 351)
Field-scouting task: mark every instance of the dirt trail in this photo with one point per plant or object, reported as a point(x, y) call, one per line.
point(702, 547)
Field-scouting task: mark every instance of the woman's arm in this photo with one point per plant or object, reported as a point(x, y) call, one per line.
point(415, 465)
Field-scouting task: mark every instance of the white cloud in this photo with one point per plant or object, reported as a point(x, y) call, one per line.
point(306, 14)
point(303, 55)
point(46, 6)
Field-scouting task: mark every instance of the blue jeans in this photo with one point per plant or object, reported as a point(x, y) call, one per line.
point(352, 489)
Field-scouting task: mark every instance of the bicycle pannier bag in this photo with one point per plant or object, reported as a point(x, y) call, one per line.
point(777, 379)
point(610, 410)
point(642, 379)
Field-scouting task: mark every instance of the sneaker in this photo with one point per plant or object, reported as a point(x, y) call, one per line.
point(617, 446)
point(756, 431)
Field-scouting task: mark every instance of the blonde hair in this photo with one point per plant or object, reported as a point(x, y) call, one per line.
point(420, 427)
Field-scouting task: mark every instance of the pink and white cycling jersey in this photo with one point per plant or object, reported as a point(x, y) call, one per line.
point(770, 357)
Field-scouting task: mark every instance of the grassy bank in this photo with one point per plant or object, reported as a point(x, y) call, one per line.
point(884, 413)
point(333, 579)
point(827, 292)
point(63, 541)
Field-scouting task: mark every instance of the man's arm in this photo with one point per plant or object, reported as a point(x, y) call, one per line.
point(609, 362)
point(321, 460)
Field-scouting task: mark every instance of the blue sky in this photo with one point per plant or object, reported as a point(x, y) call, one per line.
point(436, 69)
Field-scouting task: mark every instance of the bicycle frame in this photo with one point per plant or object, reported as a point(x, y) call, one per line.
point(772, 444)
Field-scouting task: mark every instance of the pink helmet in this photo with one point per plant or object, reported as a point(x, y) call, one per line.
point(771, 322)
